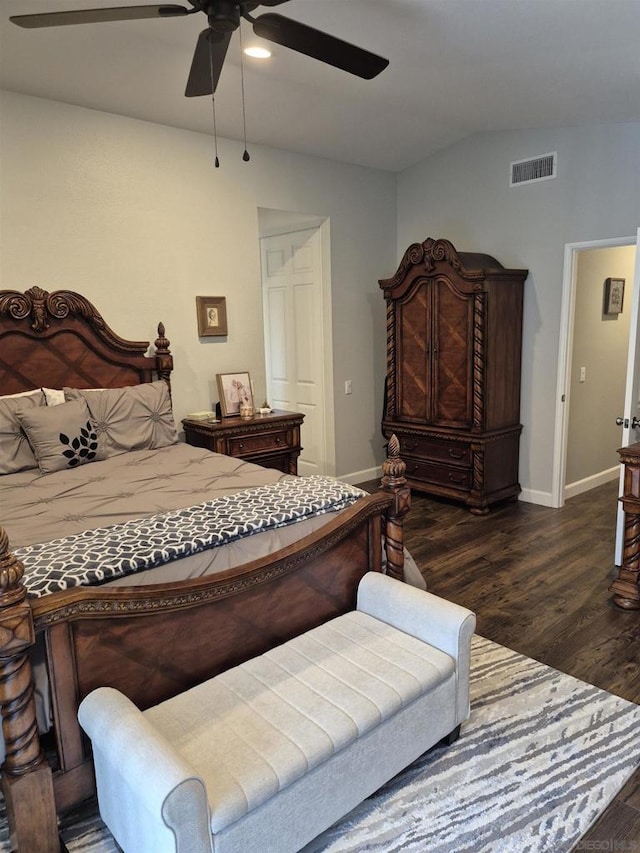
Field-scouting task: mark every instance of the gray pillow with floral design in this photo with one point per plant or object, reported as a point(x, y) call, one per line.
point(61, 436)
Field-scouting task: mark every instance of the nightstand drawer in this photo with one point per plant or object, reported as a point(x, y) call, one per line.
point(439, 450)
point(259, 443)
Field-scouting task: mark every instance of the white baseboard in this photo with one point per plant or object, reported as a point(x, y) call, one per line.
point(584, 485)
point(533, 496)
point(361, 476)
point(527, 495)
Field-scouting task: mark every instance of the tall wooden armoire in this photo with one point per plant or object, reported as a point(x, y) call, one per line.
point(454, 332)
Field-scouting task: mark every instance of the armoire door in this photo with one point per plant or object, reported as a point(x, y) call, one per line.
point(452, 356)
point(413, 357)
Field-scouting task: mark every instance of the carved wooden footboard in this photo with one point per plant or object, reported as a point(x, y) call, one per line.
point(153, 642)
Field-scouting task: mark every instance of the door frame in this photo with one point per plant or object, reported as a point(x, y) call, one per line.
point(563, 383)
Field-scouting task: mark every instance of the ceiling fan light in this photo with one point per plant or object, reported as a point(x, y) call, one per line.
point(258, 52)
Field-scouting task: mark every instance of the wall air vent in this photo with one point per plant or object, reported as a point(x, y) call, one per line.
point(534, 169)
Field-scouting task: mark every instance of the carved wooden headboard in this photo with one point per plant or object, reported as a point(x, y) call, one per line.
point(59, 338)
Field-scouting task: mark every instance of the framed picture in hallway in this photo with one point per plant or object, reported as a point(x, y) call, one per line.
point(613, 295)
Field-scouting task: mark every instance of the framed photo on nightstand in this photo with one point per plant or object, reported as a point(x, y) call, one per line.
point(234, 390)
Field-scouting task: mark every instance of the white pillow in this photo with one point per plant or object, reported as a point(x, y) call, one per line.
point(19, 394)
point(53, 396)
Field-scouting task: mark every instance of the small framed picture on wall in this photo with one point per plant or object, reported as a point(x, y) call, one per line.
point(212, 315)
point(613, 295)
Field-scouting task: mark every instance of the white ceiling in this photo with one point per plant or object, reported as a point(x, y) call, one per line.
point(456, 67)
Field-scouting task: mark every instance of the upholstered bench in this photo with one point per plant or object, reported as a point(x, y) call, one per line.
point(267, 755)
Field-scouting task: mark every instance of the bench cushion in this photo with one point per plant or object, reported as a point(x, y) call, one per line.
point(259, 727)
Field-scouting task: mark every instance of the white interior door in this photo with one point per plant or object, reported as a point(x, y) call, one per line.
point(293, 312)
point(632, 393)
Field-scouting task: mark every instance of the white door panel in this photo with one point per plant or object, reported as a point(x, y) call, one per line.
point(275, 261)
point(302, 260)
point(306, 345)
point(293, 309)
point(276, 321)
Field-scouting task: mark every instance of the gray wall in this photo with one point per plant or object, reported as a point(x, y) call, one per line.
point(600, 345)
point(134, 216)
point(462, 193)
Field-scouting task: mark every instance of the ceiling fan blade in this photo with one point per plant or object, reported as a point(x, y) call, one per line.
point(319, 45)
point(97, 16)
point(272, 2)
point(199, 82)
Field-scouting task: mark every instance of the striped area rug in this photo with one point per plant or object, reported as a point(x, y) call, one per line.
point(540, 759)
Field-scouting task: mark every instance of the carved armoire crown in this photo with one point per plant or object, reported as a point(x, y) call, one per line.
point(452, 396)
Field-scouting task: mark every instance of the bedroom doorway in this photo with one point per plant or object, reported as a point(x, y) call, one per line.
point(582, 355)
point(297, 329)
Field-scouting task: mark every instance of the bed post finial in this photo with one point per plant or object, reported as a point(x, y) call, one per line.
point(11, 572)
point(26, 775)
point(394, 481)
point(164, 359)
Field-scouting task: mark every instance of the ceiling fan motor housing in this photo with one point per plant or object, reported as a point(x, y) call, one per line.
point(223, 15)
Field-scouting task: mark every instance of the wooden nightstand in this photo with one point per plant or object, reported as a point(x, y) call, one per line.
point(272, 441)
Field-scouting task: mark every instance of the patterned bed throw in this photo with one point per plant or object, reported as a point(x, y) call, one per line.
point(100, 555)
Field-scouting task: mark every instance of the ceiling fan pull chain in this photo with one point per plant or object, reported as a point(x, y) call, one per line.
point(245, 156)
point(216, 162)
point(213, 107)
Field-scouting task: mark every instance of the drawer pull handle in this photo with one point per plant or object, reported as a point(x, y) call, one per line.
point(241, 446)
point(279, 440)
point(411, 469)
point(456, 478)
point(411, 445)
point(456, 455)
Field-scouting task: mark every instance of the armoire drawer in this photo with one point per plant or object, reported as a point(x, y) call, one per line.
point(438, 450)
point(439, 475)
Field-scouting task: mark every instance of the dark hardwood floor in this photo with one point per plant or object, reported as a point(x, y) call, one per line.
point(537, 579)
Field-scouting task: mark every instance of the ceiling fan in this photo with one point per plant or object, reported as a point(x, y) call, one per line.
point(223, 19)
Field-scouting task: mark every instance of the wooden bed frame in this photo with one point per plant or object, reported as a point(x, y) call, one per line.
point(154, 641)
